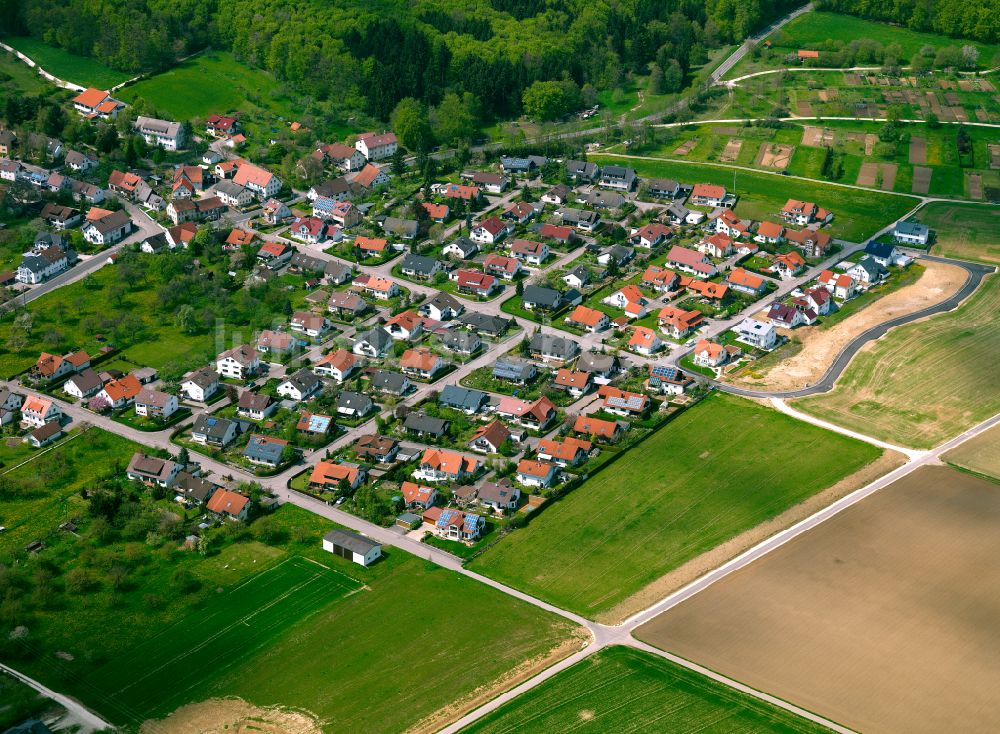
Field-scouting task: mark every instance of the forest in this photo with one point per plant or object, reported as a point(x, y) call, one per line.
point(978, 20)
point(368, 55)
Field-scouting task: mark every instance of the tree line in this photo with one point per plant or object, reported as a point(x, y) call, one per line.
point(369, 56)
point(978, 20)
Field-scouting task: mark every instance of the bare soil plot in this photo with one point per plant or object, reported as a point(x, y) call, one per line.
point(775, 155)
point(946, 83)
point(829, 94)
point(725, 131)
point(686, 147)
point(981, 454)
point(921, 179)
point(986, 86)
point(819, 346)
point(803, 108)
point(959, 114)
point(883, 618)
point(887, 173)
point(867, 174)
point(918, 150)
point(817, 137)
point(965, 85)
point(982, 115)
point(852, 80)
point(994, 150)
point(952, 99)
point(975, 185)
point(732, 150)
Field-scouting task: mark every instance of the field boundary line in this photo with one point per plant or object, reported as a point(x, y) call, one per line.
point(56, 445)
point(783, 407)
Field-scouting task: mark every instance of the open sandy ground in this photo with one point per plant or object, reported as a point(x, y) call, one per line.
point(883, 618)
point(232, 716)
point(704, 563)
point(819, 346)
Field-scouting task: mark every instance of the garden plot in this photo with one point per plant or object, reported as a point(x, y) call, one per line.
point(994, 151)
point(918, 150)
point(878, 175)
point(686, 147)
point(775, 155)
point(921, 179)
point(817, 137)
point(732, 150)
point(974, 182)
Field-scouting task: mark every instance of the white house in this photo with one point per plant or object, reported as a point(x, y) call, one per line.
point(300, 386)
point(261, 182)
point(155, 403)
point(109, 229)
point(353, 547)
point(376, 147)
point(200, 385)
point(756, 334)
point(238, 363)
point(37, 411)
point(164, 133)
point(911, 233)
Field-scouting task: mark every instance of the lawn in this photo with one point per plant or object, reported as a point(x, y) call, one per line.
point(623, 689)
point(21, 76)
point(923, 383)
point(964, 231)
point(856, 216)
point(627, 527)
point(43, 493)
point(811, 30)
point(980, 454)
point(69, 67)
point(211, 83)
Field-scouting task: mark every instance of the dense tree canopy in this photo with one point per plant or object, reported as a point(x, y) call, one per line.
point(372, 54)
point(979, 20)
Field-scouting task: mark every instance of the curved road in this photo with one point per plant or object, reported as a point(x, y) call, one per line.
point(975, 275)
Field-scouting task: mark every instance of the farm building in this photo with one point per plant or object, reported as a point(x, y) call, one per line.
point(363, 551)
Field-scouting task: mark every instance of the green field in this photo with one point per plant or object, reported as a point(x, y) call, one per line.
point(69, 67)
point(721, 468)
point(621, 689)
point(923, 383)
point(211, 83)
point(964, 231)
point(21, 77)
point(857, 214)
point(813, 29)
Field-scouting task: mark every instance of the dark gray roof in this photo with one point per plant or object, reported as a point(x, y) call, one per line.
point(193, 487)
point(87, 380)
point(389, 381)
point(351, 541)
point(878, 249)
point(378, 338)
point(580, 272)
point(467, 246)
point(211, 425)
point(538, 295)
point(421, 423)
point(462, 398)
point(554, 345)
point(304, 380)
point(157, 242)
point(304, 261)
point(586, 168)
point(461, 341)
point(445, 301)
point(264, 448)
point(596, 362)
point(203, 378)
point(872, 266)
point(512, 368)
point(485, 323)
point(355, 401)
point(401, 227)
point(332, 188)
point(419, 264)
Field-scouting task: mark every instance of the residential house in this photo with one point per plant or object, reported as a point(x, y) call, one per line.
point(619, 254)
point(338, 365)
point(120, 392)
point(265, 450)
point(623, 402)
point(644, 341)
point(770, 233)
point(36, 411)
point(92, 103)
point(519, 212)
point(499, 496)
point(342, 156)
point(441, 465)
point(470, 194)
point(194, 210)
point(803, 213)
point(462, 248)
point(164, 133)
point(406, 325)
point(234, 195)
point(885, 254)
point(582, 171)
point(536, 297)
point(553, 348)
point(489, 439)
point(690, 261)
point(377, 146)
point(788, 265)
point(744, 281)
point(490, 231)
point(664, 188)
point(230, 505)
point(529, 252)
point(492, 183)
point(679, 323)
point(220, 126)
point(475, 283)
point(379, 449)
point(418, 495)
point(602, 367)
point(557, 195)
point(437, 213)
point(710, 195)
point(406, 229)
point(717, 245)
point(582, 219)
point(301, 385)
point(275, 254)
point(481, 323)
point(338, 273)
point(758, 334)
point(817, 299)
point(310, 230)
point(578, 277)
point(373, 344)
point(152, 470)
point(309, 324)
point(533, 473)
point(574, 382)
point(461, 342)
point(599, 428)
point(729, 224)
point(912, 233)
point(83, 385)
point(840, 285)
point(867, 271)
point(679, 214)
point(255, 406)
point(571, 451)
point(512, 369)
point(710, 354)
point(442, 307)
point(275, 212)
point(44, 262)
point(155, 403)
point(60, 217)
point(630, 299)
point(354, 405)
point(659, 279)
point(368, 179)
point(200, 385)
point(346, 305)
point(425, 426)
point(650, 235)
point(782, 315)
point(239, 363)
point(618, 177)
point(563, 235)
point(667, 380)
point(812, 242)
point(422, 363)
point(532, 414)
point(419, 266)
point(458, 525)
point(588, 319)
point(463, 399)
point(109, 229)
point(260, 181)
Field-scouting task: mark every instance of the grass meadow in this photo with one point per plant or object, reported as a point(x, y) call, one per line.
point(857, 215)
point(964, 231)
point(723, 467)
point(922, 383)
point(77, 69)
point(623, 689)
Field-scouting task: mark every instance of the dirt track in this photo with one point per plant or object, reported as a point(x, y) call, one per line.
point(821, 346)
point(882, 619)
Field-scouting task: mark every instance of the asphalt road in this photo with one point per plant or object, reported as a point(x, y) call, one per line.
point(974, 277)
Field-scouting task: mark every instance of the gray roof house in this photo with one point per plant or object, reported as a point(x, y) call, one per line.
point(265, 450)
point(554, 347)
point(373, 343)
point(442, 307)
point(300, 385)
point(538, 297)
point(424, 425)
point(405, 228)
point(513, 369)
point(597, 363)
point(390, 382)
point(461, 247)
point(462, 342)
point(582, 170)
point(484, 323)
point(619, 177)
point(460, 398)
point(337, 272)
point(419, 266)
point(209, 429)
point(354, 404)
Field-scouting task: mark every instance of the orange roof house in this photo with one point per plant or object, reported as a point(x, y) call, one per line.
point(329, 474)
point(240, 237)
point(370, 244)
